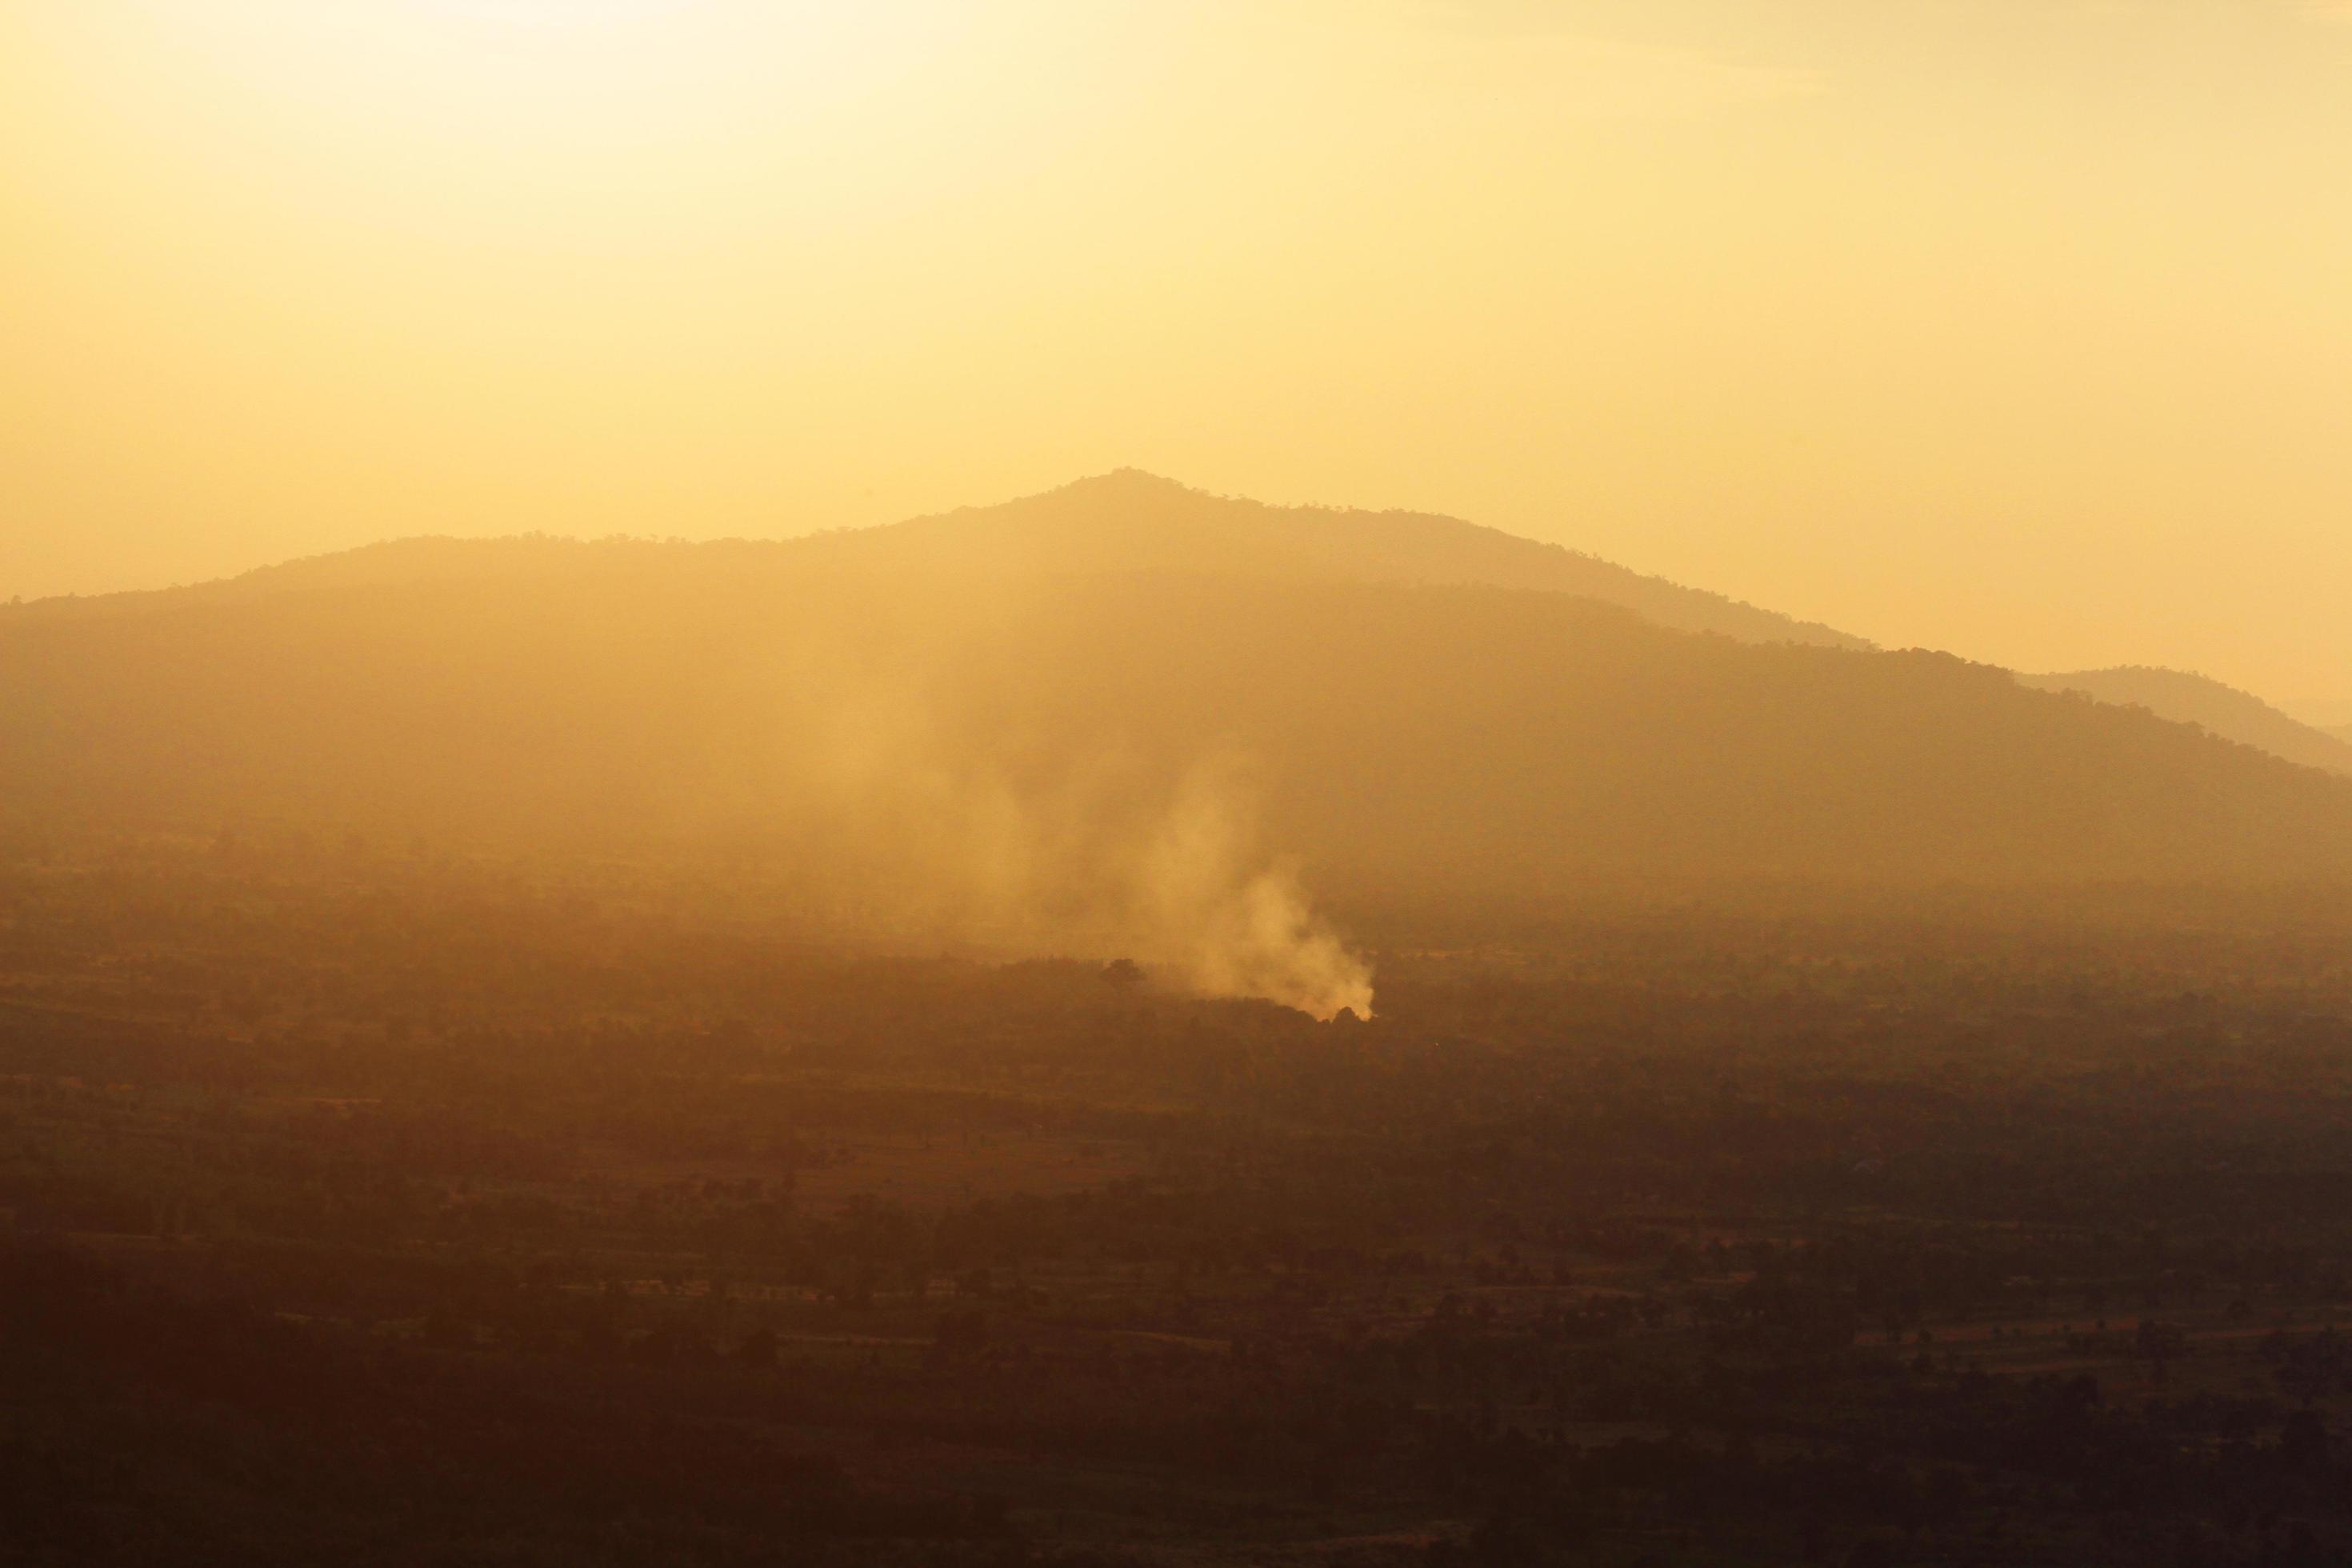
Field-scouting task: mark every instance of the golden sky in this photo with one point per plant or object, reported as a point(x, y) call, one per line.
point(2021, 327)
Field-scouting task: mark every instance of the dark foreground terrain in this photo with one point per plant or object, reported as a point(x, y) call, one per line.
point(362, 1207)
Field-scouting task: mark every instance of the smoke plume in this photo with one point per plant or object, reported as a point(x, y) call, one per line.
point(1104, 857)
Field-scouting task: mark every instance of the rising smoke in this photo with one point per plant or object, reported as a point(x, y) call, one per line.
point(1228, 923)
point(1104, 859)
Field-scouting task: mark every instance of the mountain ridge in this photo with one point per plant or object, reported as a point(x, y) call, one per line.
point(1194, 530)
point(1396, 739)
point(997, 684)
point(1125, 520)
point(2187, 698)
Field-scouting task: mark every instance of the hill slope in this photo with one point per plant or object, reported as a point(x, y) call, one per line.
point(1122, 521)
point(1400, 738)
point(2198, 700)
point(1128, 521)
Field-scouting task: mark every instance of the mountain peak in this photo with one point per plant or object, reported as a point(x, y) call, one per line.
point(1125, 490)
point(1126, 480)
point(1130, 520)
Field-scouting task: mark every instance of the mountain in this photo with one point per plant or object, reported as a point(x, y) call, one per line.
point(1126, 520)
point(851, 705)
point(2233, 714)
point(1130, 520)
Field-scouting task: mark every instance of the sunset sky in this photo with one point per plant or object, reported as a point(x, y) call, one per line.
point(2021, 327)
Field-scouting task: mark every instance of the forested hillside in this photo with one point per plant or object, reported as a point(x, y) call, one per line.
point(2186, 699)
point(1395, 737)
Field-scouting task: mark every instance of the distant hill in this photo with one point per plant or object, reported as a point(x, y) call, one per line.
point(2233, 714)
point(391, 564)
point(1130, 520)
point(1121, 522)
point(848, 703)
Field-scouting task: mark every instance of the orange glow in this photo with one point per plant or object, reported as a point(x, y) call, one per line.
point(2015, 329)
